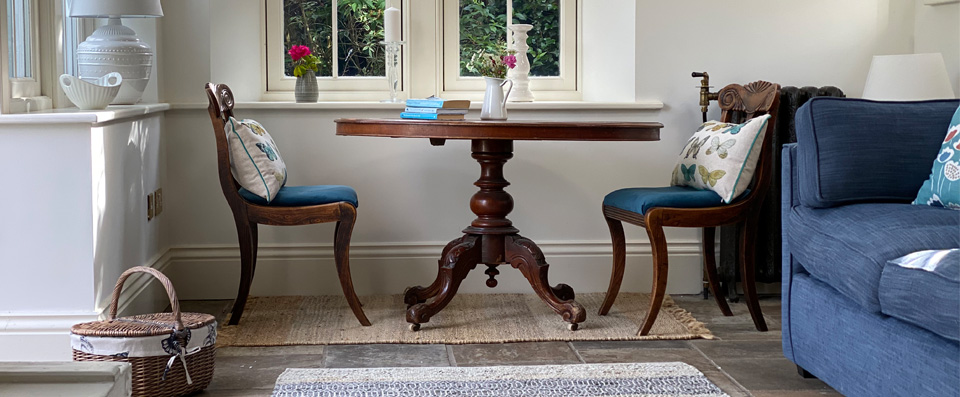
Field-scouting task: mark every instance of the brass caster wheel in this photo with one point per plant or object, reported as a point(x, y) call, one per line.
point(573, 326)
point(414, 327)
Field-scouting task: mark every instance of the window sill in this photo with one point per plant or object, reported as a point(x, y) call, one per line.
point(77, 116)
point(474, 105)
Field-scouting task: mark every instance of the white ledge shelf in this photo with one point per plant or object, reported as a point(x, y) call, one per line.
point(542, 105)
point(77, 116)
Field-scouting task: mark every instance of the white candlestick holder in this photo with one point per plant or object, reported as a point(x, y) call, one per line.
point(521, 73)
point(392, 54)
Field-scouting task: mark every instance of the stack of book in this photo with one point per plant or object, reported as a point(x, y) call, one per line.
point(434, 108)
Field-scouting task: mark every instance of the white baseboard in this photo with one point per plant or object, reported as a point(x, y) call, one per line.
point(212, 271)
point(46, 336)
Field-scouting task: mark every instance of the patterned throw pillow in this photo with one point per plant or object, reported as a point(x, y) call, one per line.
point(942, 189)
point(254, 158)
point(721, 157)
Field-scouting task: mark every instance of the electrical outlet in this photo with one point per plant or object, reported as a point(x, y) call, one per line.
point(157, 202)
point(150, 208)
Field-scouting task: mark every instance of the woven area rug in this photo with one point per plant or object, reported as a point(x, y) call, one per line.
point(469, 318)
point(635, 379)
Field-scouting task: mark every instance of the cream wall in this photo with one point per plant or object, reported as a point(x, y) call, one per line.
point(938, 30)
point(413, 197)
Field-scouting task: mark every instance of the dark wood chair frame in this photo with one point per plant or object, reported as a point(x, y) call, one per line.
point(248, 215)
point(737, 103)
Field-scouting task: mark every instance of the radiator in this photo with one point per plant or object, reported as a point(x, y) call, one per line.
point(768, 261)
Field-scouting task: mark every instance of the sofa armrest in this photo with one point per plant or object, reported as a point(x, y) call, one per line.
point(855, 150)
point(789, 199)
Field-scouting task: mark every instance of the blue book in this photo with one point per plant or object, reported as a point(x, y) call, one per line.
point(430, 116)
point(435, 110)
point(439, 103)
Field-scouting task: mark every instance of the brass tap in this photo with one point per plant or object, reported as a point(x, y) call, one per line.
point(705, 95)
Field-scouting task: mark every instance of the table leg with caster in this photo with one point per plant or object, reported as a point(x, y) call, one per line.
point(523, 254)
point(418, 294)
point(458, 261)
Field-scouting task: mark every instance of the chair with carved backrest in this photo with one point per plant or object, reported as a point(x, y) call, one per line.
point(301, 205)
point(738, 103)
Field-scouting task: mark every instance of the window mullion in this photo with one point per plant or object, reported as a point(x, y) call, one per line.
point(509, 22)
point(334, 41)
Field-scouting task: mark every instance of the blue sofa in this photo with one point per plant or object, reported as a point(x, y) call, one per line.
point(847, 187)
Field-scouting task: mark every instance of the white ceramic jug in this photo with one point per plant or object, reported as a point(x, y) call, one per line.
point(494, 100)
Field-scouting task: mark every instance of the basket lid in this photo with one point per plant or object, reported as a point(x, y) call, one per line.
point(142, 325)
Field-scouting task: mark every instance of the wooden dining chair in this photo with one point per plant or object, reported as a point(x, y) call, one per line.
point(293, 205)
point(737, 103)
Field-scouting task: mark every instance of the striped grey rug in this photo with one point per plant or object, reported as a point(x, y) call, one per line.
point(633, 379)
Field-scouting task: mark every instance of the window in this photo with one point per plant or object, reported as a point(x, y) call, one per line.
point(19, 49)
point(344, 34)
point(440, 35)
point(473, 26)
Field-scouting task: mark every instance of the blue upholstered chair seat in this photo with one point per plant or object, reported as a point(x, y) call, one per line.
point(641, 199)
point(298, 196)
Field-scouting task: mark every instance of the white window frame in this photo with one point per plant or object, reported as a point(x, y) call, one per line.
point(18, 91)
point(278, 86)
point(567, 86)
point(423, 59)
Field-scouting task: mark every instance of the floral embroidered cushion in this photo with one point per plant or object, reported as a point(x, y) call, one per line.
point(942, 189)
point(721, 157)
point(254, 158)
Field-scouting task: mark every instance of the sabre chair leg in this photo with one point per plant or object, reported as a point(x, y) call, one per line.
point(341, 248)
point(619, 261)
point(747, 272)
point(245, 235)
point(710, 265)
point(658, 243)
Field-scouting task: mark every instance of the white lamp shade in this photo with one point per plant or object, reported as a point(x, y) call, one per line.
point(115, 8)
point(911, 77)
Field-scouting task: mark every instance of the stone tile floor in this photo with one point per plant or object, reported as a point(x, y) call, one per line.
point(741, 361)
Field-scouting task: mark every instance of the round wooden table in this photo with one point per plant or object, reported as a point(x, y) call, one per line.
point(492, 239)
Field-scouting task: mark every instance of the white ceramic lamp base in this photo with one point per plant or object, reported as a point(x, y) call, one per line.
point(116, 48)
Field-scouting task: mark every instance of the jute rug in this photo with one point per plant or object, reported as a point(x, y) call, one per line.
point(469, 318)
point(635, 379)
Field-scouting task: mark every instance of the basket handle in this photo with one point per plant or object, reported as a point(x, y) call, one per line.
point(167, 285)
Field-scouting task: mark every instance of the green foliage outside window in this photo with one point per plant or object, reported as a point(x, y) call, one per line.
point(483, 30)
point(359, 33)
point(360, 30)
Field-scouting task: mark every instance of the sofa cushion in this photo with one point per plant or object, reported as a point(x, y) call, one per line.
point(923, 288)
point(846, 247)
point(943, 187)
point(855, 150)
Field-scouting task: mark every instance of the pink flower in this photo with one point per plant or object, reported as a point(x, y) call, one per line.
point(510, 61)
point(298, 51)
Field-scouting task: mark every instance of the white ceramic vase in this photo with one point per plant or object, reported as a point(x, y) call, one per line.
point(521, 73)
point(494, 99)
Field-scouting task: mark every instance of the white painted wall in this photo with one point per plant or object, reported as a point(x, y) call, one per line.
point(938, 30)
point(414, 197)
point(75, 222)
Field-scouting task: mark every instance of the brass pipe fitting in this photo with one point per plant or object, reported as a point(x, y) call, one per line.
point(705, 95)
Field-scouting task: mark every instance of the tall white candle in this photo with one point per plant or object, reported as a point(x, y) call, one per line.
point(391, 24)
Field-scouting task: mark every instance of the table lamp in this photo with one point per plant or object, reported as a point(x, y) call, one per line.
point(910, 77)
point(114, 47)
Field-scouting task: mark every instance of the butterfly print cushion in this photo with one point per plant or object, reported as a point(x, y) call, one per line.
point(721, 157)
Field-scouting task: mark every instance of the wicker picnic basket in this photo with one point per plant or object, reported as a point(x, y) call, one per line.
point(171, 354)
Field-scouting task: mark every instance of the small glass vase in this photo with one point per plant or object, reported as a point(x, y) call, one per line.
point(307, 90)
